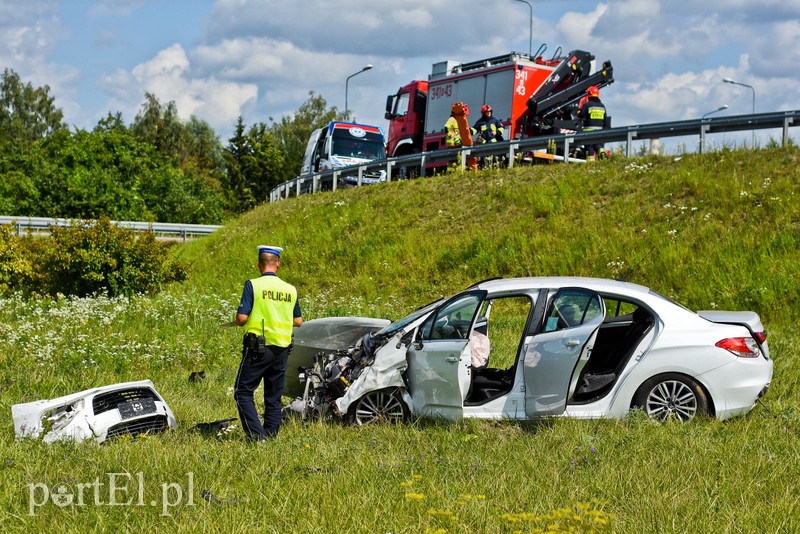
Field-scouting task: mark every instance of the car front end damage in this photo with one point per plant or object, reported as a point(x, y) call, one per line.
point(103, 413)
point(356, 384)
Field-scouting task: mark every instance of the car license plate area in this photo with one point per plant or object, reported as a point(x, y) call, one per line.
point(136, 408)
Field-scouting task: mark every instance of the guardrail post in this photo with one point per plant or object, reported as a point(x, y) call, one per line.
point(512, 148)
point(335, 179)
point(464, 154)
point(629, 147)
point(785, 138)
point(314, 183)
point(566, 149)
point(360, 174)
point(422, 166)
point(389, 165)
point(298, 182)
point(703, 129)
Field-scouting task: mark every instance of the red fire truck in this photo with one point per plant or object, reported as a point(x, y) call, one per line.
point(531, 96)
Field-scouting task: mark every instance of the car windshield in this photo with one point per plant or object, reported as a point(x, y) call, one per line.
point(410, 318)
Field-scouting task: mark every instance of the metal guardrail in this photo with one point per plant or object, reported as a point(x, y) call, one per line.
point(167, 231)
point(624, 134)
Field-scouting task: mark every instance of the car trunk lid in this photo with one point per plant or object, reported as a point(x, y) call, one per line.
point(748, 319)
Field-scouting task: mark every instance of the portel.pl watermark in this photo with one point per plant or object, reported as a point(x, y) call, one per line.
point(113, 489)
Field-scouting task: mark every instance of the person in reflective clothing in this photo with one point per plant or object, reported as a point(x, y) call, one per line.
point(488, 129)
point(592, 114)
point(269, 311)
point(452, 135)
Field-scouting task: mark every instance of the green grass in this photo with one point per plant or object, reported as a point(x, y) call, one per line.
point(718, 230)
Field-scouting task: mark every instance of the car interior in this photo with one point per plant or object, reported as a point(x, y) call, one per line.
point(503, 321)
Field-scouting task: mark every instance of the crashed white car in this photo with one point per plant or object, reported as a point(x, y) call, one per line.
point(128, 408)
point(527, 348)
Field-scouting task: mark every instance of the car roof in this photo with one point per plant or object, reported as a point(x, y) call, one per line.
point(602, 285)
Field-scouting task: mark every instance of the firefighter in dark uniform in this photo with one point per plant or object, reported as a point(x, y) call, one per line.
point(488, 128)
point(592, 114)
point(268, 310)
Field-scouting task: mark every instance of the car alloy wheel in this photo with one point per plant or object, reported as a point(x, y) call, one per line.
point(382, 405)
point(671, 396)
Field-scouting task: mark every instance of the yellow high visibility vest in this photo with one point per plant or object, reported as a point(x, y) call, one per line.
point(273, 301)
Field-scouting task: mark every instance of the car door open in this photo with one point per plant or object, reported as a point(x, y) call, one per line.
point(554, 356)
point(439, 359)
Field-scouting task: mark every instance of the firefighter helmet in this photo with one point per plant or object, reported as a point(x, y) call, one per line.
point(593, 91)
point(485, 108)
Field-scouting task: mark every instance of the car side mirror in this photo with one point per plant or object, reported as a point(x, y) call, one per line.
point(418, 344)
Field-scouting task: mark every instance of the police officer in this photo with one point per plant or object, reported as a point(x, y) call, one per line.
point(592, 114)
point(268, 310)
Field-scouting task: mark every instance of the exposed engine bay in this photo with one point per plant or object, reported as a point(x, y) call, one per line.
point(332, 374)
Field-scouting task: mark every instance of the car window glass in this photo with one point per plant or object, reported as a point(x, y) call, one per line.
point(454, 320)
point(570, 308)
point(400, 324)
point(618, 308)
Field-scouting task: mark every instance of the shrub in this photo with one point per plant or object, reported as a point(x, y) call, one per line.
point(16, 268)
point(92, 257)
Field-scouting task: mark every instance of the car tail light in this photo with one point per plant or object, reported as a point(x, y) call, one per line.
point(743, 347)
point(761, 336)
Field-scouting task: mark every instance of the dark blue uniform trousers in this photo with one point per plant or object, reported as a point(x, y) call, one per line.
point(271, 367)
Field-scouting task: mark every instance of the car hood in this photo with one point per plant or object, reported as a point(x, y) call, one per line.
point(327, 334)
point(334, 333)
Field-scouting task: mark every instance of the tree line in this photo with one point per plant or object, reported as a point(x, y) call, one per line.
point(157, 168)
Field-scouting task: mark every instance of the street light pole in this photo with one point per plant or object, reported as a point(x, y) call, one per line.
point(729, 80)
point(346, 83)
point(530, 29)
point(721, 108)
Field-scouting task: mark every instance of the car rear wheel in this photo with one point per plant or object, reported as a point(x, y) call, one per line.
point(671, 396)
point(383, 405)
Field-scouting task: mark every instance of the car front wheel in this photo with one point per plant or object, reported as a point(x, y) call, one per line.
point(671, 396)
point(382, 405)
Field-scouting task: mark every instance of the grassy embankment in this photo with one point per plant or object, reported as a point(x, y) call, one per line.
point(720, 230)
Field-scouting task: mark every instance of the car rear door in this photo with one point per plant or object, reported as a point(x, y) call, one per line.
point(555, 355)
point(439, 372)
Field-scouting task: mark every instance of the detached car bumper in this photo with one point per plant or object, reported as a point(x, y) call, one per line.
point(128, 408)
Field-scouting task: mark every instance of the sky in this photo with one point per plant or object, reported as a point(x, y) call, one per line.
point(259, 59)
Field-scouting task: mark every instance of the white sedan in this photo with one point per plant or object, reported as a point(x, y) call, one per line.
point(527, 348)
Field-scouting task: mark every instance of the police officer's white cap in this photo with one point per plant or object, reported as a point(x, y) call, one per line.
point(270, 250)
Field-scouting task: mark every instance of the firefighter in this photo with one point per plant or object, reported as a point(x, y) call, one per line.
point(268, 310)
point(488, 128)
point(592, 114)
point(452, 135)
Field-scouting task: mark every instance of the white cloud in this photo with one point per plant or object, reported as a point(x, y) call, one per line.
point(169, 77)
